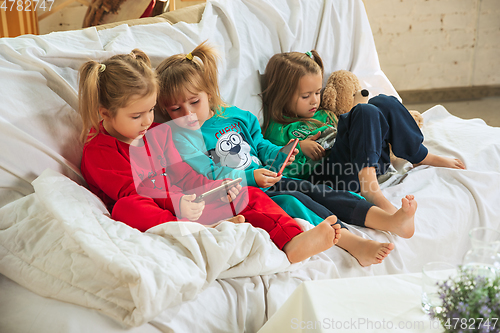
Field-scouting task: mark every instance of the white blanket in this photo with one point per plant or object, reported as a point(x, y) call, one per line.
point(59, 243)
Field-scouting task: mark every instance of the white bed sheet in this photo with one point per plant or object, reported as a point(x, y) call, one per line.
point(39, 129)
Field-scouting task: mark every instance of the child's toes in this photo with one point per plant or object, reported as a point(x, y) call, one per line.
point(405, 203)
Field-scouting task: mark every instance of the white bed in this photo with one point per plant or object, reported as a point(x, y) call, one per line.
point(67, 267)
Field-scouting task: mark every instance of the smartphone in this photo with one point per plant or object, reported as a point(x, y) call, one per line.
point(218, 192)
point(288, 151)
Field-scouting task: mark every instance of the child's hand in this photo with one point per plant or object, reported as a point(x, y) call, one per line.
point(191, 210)
point(311, 148)
point(265, 178)
point(292, 157)
point(232, 193)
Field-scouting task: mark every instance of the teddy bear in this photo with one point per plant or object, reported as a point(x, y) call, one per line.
point(343, 91)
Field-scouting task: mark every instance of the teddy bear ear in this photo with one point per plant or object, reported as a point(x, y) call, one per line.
point(329, 98)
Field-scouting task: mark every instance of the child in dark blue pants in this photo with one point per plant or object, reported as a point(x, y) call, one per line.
point(318, 197)
point(361, 151)
point(291, 98)
point(363, 139)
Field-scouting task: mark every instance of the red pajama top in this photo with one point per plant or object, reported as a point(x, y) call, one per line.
point(153, 177)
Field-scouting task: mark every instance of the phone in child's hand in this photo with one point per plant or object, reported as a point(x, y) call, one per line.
point(218, 192)
point(288, 151)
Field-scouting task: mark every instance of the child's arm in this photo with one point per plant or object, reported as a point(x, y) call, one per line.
point(266, 150)
point(141, 212)
point(280, 134)
point(106, 170)
point(265, 178)
point(191, 151)
point(164, 155)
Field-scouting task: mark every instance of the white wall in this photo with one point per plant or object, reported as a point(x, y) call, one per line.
point(425, 44)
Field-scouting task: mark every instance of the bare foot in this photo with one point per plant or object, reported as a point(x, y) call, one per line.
point(237, 219)
point(372, 252)
point(453, 163)
point(441, 161)
point(313, 241)
point(366, 251)
point(337, 229)
point(403, 221)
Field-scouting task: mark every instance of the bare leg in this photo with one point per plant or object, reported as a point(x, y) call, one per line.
point(370, 189)
point(316, 240)
point(402, 223)
point(366, 251)
point(441, 161)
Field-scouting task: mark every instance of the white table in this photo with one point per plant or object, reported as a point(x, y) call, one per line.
point(362, 304)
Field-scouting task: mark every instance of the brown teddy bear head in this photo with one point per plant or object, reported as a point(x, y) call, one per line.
point(340, 90)
point(343, 91)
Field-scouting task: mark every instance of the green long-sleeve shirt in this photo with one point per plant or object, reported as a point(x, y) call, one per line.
point(281, 134)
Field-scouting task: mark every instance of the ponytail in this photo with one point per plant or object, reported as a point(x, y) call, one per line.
point(88, 92)
point(110, 85)
point(209, 59)
point(195, 71)
point(317, 59)
point(141, 57)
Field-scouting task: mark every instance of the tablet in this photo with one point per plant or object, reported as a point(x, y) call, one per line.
point(218, 192)
point(288, 150)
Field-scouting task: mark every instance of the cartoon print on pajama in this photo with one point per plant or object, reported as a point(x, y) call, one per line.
point(234, 152)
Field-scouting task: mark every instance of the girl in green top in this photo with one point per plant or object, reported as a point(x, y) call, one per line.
point(360, 153)
point(306, 131)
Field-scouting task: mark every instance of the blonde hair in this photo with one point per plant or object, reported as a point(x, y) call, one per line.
point(281, 81)
point(194, 72)
point(111, 84)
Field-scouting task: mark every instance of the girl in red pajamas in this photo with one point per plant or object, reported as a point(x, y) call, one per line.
point(132, 165)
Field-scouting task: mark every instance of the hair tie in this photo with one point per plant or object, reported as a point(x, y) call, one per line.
point(309, 54)
point(102, 68)
point(189, 56)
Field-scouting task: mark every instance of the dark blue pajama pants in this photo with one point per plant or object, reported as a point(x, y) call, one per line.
point(324, 201)
point(363, 139)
